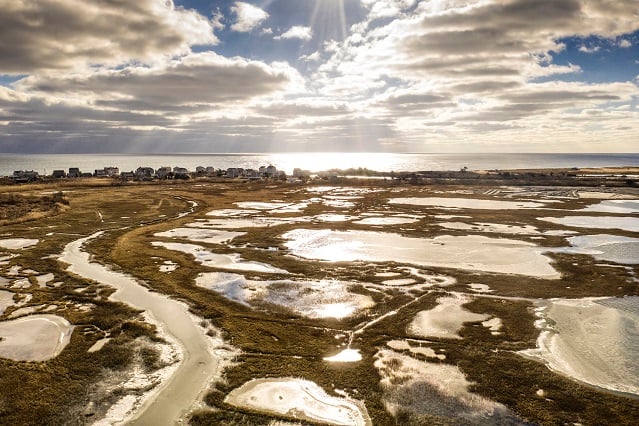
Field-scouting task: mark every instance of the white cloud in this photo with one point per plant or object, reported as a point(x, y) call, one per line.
point(586, 49)
point(300, 32)
point(624, 43)
point(248, 16)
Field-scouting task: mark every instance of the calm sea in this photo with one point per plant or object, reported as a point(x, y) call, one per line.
point(45, 164)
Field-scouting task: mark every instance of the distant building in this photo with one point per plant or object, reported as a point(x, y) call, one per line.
point(58, 174)
point(164, 172)
point(100, 173)
point(200, 170)
point(210, 170)
point(271, 171)
point(74, 172)
point(232, 172)
point(25, 176)
point(112, 171)
point(144, 173)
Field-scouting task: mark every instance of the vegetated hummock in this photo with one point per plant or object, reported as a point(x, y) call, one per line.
point(293, 277)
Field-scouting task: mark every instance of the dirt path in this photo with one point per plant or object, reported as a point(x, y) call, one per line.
point(177, 395)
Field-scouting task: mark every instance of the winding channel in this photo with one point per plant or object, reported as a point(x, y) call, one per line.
point(178, 394)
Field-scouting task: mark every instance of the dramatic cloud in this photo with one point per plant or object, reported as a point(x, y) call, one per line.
point(446, 75)
point(52, 34)
point(248, 16)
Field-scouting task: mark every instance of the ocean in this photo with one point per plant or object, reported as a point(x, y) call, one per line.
point(315, 162)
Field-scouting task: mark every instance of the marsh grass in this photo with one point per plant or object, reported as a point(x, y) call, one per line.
point(276, 342)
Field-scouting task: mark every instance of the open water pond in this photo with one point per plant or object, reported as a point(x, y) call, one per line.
point(471, 252)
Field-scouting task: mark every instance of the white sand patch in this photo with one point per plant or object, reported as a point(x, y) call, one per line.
point(4, 282)
point(338, 203)
point(597, 222)
point(17, 243)
point(445, 320)
point(168, 266)
point(333, 217)
point(392, 220)
point(207, 258)
point(312, 299)
point(494, 325)
point(34, 338)
point(451, 216)
point(6, 300)
point(614, 206)
point(602, 195)
point(595, 341)
point(211, 236)
point(491, 228)
point(467, 203)
point(404, 345)
point(230, 212)
point(21, 283)
point(434, 389)
point(399, 282)
point(387, 274)
point(99, 345)
point(347, 355)
point(259, 205)
point(14, 270)
point(45, 279)
point(247, 222)
point(480, 288)
point(611, 248)
point(298, 399)
point(472, 252)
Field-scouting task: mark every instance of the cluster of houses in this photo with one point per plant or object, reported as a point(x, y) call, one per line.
point(149, 173)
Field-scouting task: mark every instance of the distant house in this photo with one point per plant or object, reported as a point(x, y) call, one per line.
point(25, 176)
point(271, 171)
point(58, 174)
point(200, 170)
point(144, 173)
point(112, 171)
point(100, 173)
point(232, 172)
point(74, 172)
point(126, 176)
point(164, 172)
point(210, 170)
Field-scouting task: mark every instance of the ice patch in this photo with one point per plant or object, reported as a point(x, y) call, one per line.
point(473, 252)
point(34, 338)
point(467, 203)
point(445, 320)
point(298, 399)
point(17, 243)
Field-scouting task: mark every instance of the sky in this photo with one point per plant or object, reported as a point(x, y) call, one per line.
point(205, 76)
